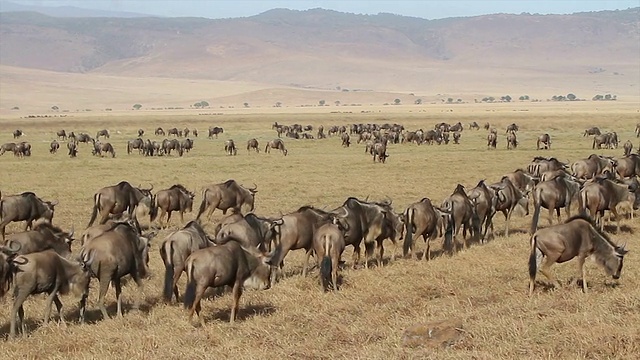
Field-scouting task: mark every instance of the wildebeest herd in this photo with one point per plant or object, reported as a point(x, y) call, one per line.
point(247, 250)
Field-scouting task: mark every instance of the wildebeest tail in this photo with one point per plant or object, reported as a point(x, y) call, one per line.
point(582, 202)
point(203, 204)
point(325, 265)
point(533, 261)
point(94, 212)
point(166, 252)
point(537, 197)
point(408, 236)
point(190, 291)
point(448, 233)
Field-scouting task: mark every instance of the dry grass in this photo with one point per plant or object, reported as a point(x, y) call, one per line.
point(485, 286)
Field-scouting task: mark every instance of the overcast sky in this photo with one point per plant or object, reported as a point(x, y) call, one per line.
point(418, 8)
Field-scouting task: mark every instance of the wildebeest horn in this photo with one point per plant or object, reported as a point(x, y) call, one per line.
point(366, 199)
point(72, 231)
point(255, 188)
point(151, 188)
point(54, 202)
point(11, 247)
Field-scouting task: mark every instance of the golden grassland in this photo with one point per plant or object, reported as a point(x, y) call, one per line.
point(485, 286)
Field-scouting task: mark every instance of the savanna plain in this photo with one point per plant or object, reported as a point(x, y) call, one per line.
point(485, 286)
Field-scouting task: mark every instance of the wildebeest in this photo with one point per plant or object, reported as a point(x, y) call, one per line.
point(215, 131)
point(186, 132)
point(345, 139)
point(7, 253)
point(485, 202)
point(474, 125)
point(44, 236)
point(553, 195)
point(577, 237)
point(421, 219)
point(140, 133)
point(227, 264)
point(545, 141)
point(592, 166)
point(508, 198)
point(628, 166)
point(8, 147)
point(174, 131)
point(512, 141)
point(119, 198)
point(252, 144)
point(17, 133)
point(62, 134)
point(117, 252)
point(456, 137)
point(461, 214)
point(637, 130)
point(540, 165)
point(174, 251)
point(159, 131)
point(522, 181)
point(72, 146)
point(24, 207)
point(230, 147)
point(226, 195)
point(195, 132)
point(379, 151)
point(328, 244)
point(176, 198)
point(54, 147)
point(100, 148)
point(47, 272)
point(486, 126)
point(628, 147)
point(103, 132)
point(604, 194)
point(187, 145)
point(173, 144)
point(492, 140)
point(276, 144)
point(250, 230)
point(591, 131)
point(135, 144)
point(84, 138)
point(512, 128)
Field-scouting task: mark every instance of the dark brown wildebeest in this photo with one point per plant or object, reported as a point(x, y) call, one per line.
point(628, 166)
point(592, 166)
point(119, 198)
point(328, 244)
point(250, 230)
point(174, 251)
point(159, 131)
point(174, 131)
point(628, 147)
point(432, 136)
point(140, 133)
point(554, 195)
point(84, 138)
point(445, 138)
point(17, 133)
point(456, 137)
point(135, 144)
point(321, 134)
point(186, 132)
point(421, 219)
point(346, 140)
point(591, 131)
point(545, 141)
point(173, 144)
point(62, 135)
point(307, 136)
point(24, 207)
point(512, 141)
point(461, 214)
point(600, 140)
point(176, 198)
point(474, 125)
point(492, 140)
point(577, 237)
point(485, 202)
point(456, 127)
point(117, 252)
point(522, 181)
point(54, 147)
point(44, 236)
point(22, 149)
point(276, 144)
point(512, 128)
point(8, 147)
point(47, 272)
point(215, 131)
point(379, 151)
point(486, 126)
point(225, 196)
point(540, 165)
point(7, 253)
point(103, 132)
point(72, 146)
point(72, 136)
point(604, 194)
point(233, 216)
point(227, 264)
point(252, 144)
point(230, 147)
point(187, 145)
point(100, 148)
point(195, 132)
point(508, 198)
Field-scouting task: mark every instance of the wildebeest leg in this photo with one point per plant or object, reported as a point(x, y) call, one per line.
point(181, 217)
point(380, 253)
point(17, 313)
point(104, 215)
point(118, 286)
point(58, 303)
point(581, 260)
point(426, 255)
point(306, 262)
point(104, 286)
point(177, 272)
point(236, 292)
point(83, 307)
point(49, 301)
point(160, 217)
point(28, 225)
point(507, 218)
point(168, 219)
point(551, 208)
point(212, 208)
point(356, 255)
point(545, 270)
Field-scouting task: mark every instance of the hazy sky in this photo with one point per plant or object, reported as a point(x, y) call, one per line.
point(417, 8)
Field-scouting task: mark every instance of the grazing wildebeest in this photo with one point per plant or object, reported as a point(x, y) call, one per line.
point(456, 137)
point(628, 166)
point(512, 128)
point(512, 141)
point(117, 252)
point(474, 125)
point(276, 144)
point(140, 133)
point(72, 146)
point(628, 147)
point(100, 148)
point(159, 131)
point(187, 145)
point(545, 141)
point(591, 131)
point(215, 131)
point(379, 152)
point(226, 195)
point(54, 147)
point(227, 264)
point(17, 133)
point(186, 132)
point(540, 165)
point(328, 244)
point(421, 219)
point(492, 140)
point(176, 198)
point(8, 147)
point(44, 236)
point(24, 207)
point(103, 132)
point(250, 230)
point(135, 144)
point(253, 144)
point(592, 166)
point(554, 195)
point(230, 147)
point(62, 134)
point(84, 138)
point(119, 198)
point(174, 251)
point(47, 272)
point(173, 144)
point(486, 126)
point(604, 194)
point(461, 214)
point(577, 237)
point(346, 140)
point(174, 131)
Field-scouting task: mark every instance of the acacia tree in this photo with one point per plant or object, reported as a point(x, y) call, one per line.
point(137, 106)
point(246, 104)
point(418, 102)
point(337, 102)
point(396, 101)
point(321, 102)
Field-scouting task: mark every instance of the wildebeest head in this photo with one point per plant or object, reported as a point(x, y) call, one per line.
point(260, 278)
point(7, 253)
point(250, 196)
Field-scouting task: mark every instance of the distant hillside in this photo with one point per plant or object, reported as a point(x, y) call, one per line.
point(65, 11)
point(325, 49)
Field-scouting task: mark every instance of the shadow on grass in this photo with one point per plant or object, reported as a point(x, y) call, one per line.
point(244, 313)
point(30, 326)
point(612, 229)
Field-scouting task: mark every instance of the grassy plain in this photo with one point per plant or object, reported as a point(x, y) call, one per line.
point(484, 286)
